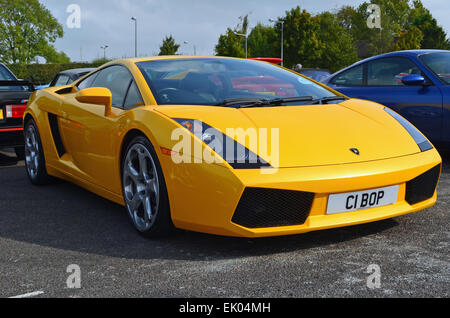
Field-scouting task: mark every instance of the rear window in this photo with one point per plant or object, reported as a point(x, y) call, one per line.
point(6, 75)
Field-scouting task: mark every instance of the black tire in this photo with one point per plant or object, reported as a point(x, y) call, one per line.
point(34, 156)
point(20, 153)
point(160, 223)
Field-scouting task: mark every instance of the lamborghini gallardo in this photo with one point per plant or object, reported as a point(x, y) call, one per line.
point(228, 147)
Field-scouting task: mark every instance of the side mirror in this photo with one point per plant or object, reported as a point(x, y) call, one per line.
point(413, 80)
point(97, 96)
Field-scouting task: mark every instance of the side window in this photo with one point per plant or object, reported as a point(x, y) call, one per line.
point(133, 98)
point(62, 80)
point(390, 71)
point(117, 79)
point(87, 82)
point(351, 77)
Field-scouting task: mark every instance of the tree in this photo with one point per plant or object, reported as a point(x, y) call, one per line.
point(434, 36)
point(301, 38)
point(397, 21)
point(168, 47)
point(230, 44)
point(317, 41)
point(409, 40)
point(52, 56)
point(338, 47)
point(264, 41)
point(27, 30)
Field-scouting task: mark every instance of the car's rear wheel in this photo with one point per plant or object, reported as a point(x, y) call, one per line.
point(144, 189)
point(34, 155)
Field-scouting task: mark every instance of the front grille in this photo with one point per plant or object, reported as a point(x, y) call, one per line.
point(423, 187)
point(260, 208)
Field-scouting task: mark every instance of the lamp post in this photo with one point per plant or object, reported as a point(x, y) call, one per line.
point(135, 37)
point(246, 41)
point(282, 38)
point(195, 48)
point(104, 50)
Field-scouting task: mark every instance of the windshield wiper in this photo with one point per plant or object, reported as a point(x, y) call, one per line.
point(326, 100)
point(257, 102)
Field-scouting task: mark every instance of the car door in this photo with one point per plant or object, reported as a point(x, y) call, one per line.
point(350, 82)
point(438, 66)
point(89, 133)
point(382, 83)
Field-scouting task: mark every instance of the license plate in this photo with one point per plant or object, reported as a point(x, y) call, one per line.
point(355, 201)
point(1, 114)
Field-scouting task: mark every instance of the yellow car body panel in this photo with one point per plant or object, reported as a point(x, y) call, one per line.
point(314, 155)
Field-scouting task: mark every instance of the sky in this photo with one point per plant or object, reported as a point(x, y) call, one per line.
point(197, 22)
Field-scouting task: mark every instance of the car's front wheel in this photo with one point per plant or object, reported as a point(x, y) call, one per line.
point(144, 189)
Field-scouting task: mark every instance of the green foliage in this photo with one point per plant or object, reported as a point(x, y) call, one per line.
point(434, 36)
point(410, 39)
point(405, 25)
point(99, 62)
point(301, 38)
point(317, 41)
point(337, 46)
point(27, 30)
point(169, 47)
point(264, 41)
point(230, 44)
point(40, 74)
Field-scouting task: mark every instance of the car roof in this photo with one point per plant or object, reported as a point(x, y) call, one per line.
point(77, 71)
point(406, 53)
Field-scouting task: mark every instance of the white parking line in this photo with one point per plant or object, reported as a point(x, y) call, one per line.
point(29, 295)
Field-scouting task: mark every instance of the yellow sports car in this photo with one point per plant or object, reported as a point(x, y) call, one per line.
point(229, 147)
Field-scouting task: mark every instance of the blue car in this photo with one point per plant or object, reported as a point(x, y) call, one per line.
point(416, 84)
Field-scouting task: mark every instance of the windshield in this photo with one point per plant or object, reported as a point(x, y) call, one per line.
point(211, 81)
point(439, 63)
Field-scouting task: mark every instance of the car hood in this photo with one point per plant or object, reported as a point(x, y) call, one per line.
point(312, 135)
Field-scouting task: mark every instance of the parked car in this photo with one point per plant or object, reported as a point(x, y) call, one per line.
point(14, 96)
point(333, 161)
point(273, 60)
point(414, 83)
point(67, 77)
point(316, 74)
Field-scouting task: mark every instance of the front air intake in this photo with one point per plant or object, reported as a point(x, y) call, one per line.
point(423, 187)
point(262, 208)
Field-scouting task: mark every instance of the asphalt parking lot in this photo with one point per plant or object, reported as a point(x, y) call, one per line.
point(43, 230)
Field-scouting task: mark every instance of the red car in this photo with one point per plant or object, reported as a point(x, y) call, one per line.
point(272, 60)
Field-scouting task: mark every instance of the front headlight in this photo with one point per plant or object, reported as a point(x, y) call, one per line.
point(237, 155)
point(418, 137)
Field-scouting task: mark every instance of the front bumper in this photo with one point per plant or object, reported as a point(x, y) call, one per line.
point(205, 197)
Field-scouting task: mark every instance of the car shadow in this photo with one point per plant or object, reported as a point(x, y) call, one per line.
point(7, 159)
point(66, 217)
